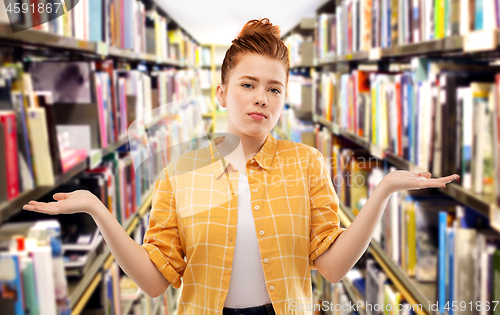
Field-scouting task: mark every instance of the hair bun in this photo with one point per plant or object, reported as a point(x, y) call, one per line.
point(262, 26)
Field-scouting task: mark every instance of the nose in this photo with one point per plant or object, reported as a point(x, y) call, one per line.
point(261, 99)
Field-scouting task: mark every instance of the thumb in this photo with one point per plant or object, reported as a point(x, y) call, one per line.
point(61, 196)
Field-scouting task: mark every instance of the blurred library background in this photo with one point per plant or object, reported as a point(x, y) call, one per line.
point(375, 85)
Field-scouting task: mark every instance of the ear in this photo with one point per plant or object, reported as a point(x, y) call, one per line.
point(220, 92)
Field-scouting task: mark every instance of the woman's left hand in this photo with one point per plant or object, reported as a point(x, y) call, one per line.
point(405, 180)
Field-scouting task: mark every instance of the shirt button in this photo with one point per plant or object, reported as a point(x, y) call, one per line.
point(255, 190)
point(251, 171)
point(271, 287)
point(261, 232)
point(252, 161)
point(256, 207)
point(265, 260)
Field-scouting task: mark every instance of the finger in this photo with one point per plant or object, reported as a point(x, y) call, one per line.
point(38, 208)
point(435, 183)
point(425, 174)
point(61, 196)
point(449, 179)
point(47, 208)
point(34, 202)
point(29, 207)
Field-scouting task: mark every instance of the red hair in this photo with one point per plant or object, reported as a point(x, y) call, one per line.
point(258, 37)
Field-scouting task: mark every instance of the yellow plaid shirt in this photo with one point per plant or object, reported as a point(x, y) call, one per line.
point(192, 227)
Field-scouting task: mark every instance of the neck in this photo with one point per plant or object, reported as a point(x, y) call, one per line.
point(251, 145)
point(246, 148)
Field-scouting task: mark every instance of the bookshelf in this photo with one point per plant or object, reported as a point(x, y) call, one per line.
point(10, 207)
point(80, 291)
point(452, 46)
point(352, 293)
point(36, 39)
point(217, 114)
point(37, 45)
point(301, 48)
point(483, 204)
point(395, 49)
point(416, 293)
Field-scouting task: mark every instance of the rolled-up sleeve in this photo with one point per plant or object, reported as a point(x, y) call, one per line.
point(162, 239)
point(325, 223)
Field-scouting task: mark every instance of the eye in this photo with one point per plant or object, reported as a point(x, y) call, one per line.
point(247, 85)
point(275, 91)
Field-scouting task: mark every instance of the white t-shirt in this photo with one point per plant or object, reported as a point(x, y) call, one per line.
point(247, 287)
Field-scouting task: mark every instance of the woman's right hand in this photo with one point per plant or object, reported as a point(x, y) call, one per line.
point(67, 203)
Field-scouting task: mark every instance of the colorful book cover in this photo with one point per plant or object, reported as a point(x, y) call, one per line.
point(479, 15)
point(8, 125)
point(442, 261)
point(11, 288)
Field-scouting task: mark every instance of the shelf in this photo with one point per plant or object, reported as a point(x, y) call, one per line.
point(37, 38)
point(326, 6)
point(333, 127)
point(126, 305)
point(146, 205)
point(33, 38)
point(11, 207)
point(305, 26)
point(280, 133)
point(299, 66)
point(414, 291)
point(351, 291)
point(131, 55)
point(156, 307)
point(484, 204)
point(77, 289)
point(87, 294)
point(452, 44)
point(114, 146)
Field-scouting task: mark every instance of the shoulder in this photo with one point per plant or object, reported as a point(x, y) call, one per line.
point(289, 148)
point(187, 162)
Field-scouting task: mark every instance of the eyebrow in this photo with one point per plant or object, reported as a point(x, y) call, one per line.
point(257, 80)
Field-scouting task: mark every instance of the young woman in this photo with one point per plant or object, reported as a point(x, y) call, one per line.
point(247, 247)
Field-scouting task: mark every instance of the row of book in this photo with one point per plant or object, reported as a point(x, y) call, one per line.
point(44, 255)
point(297, 83)
point(206, 56)
point(365, 289)
point(124, 24)
point(36, 258)
point(294, 43)
point(443, 116)
point(122, 181)
point(431, 237)
point(360, 25)
point(56, 114)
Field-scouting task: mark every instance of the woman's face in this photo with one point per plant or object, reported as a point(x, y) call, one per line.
point(256, 84)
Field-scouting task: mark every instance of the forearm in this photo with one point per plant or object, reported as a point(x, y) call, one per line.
point(341, 256)
point(131, 257)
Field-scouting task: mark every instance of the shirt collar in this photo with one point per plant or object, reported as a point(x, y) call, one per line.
point(264, 157)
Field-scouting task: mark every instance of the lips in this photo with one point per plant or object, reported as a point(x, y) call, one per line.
point(257, 113)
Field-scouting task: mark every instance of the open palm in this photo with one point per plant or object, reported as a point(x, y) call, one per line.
point(405, 180)
point(67, 203)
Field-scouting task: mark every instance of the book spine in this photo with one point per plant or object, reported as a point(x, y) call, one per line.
point(8, 124)
point(100, 110)
point(443, 219)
